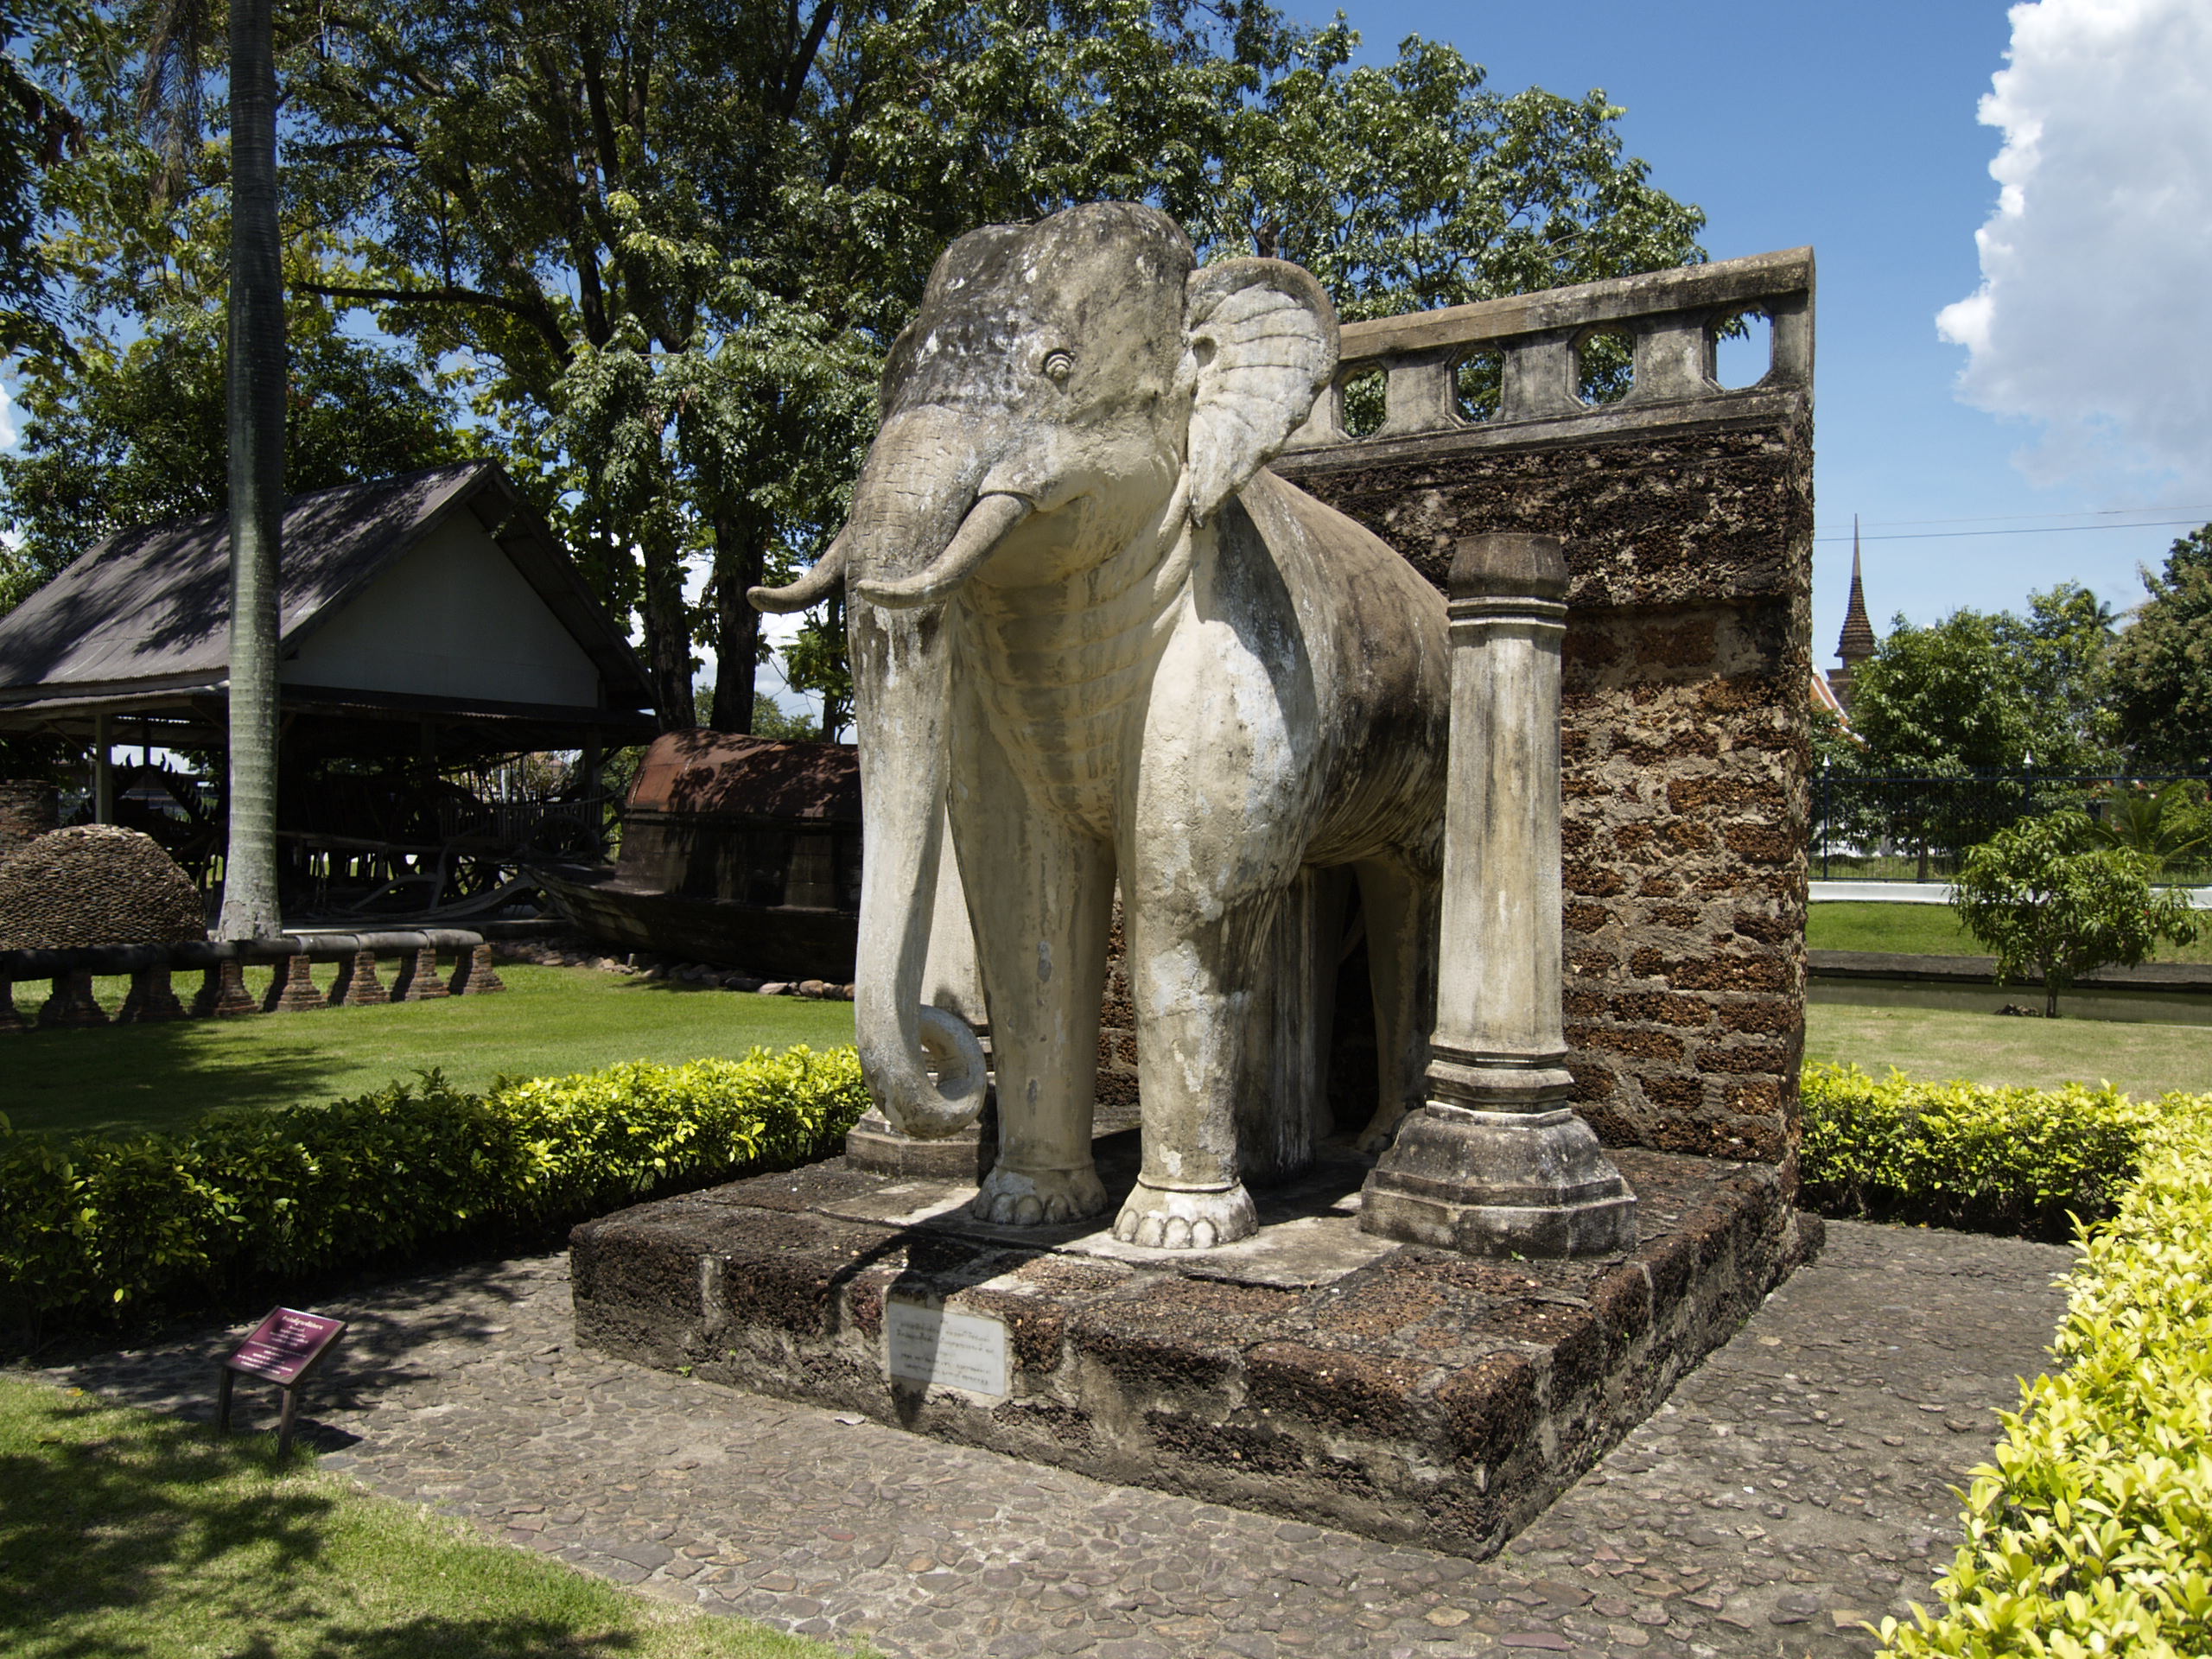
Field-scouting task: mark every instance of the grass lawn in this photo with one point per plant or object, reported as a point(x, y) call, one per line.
point(551, 1021)
point(122, 1532)
point(1938, 1045)
point(1933, 930)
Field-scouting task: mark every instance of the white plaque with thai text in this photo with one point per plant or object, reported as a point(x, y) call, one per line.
point(956, 1351)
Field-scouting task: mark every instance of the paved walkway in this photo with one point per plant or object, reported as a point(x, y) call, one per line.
point(1795, 1485)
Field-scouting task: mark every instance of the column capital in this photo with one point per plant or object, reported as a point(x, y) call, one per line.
point(1508, 564)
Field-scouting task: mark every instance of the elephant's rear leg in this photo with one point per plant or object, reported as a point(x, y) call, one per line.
point(1400, 902)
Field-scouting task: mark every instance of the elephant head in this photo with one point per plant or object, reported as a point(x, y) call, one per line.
point(1065, 388)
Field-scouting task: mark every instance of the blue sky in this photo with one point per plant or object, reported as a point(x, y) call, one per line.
point(1852, 128)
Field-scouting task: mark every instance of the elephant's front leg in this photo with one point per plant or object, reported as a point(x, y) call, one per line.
point(1040, 894)
point(1212, 840)
point(1192, 979)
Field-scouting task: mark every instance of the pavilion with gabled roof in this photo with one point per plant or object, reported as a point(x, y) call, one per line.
point(430, 616)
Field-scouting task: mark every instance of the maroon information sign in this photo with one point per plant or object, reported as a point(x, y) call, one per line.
point(283, 1349)
point(285, 1345)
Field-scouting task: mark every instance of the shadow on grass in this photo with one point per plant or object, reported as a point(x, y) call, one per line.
point(432, 1638)
point(95, 1522)
point(158, 1527)
point(126, 1079)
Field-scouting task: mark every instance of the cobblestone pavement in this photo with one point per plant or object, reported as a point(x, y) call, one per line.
point(1795, 1485)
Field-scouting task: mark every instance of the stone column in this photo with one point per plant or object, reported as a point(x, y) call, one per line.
point(417, 979)
point(292, 987)
point(223, 994)
point(1496, 1163)
point(72, 1003)
point(358, 986)
point(152, 998)
point(474, 975)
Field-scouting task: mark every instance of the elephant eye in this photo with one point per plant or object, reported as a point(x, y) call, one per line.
point(1058, 365)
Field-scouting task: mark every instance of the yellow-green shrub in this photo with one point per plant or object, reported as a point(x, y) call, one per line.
point(2092, 1533)
point(88, 1224)
point(1959, 1154)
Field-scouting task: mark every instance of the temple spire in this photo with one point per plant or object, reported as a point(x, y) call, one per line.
point(1857, 642)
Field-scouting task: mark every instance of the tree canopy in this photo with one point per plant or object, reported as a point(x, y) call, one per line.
point(652, 253)
point(1983, 691)
point(2161, 665)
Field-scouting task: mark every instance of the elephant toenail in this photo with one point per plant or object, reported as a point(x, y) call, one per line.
point(1203, 1236)
point(1028, 1212)
point(1177, 1234)
point(1148, 1232)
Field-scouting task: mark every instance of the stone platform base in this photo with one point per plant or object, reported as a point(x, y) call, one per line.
point(1314, 1372)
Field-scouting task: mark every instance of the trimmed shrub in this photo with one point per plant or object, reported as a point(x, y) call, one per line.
point(91, 1225)
point(2092, 1532)
point(1958, 1154)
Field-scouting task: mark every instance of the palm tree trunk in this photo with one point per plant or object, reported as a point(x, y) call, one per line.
point(257, 455)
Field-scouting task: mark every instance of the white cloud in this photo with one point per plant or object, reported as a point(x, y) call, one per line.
point(2094, 314)
point(8, 434)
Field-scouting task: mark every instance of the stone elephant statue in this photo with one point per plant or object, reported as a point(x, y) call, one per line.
point(1086, 619)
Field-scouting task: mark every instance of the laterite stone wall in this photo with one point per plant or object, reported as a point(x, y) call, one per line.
point(1686, 744)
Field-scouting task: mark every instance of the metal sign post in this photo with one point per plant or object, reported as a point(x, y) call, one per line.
point(283, 1348)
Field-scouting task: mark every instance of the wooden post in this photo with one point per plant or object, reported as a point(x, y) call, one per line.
point(103, 771)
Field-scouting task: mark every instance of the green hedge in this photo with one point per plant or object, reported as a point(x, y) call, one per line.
point(86, 1225)
point(1957, 1155)
point(2092, 1533)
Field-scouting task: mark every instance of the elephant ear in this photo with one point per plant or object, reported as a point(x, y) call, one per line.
point(1262, 344)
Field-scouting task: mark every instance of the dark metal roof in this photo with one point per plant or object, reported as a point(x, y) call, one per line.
point(145, 616)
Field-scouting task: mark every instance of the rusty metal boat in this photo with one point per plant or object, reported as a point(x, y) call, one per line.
point(740, 851)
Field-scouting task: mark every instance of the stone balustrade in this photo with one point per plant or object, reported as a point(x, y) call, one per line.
point(1672, 320)
point(222, 965)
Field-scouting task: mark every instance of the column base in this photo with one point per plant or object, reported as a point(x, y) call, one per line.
point(1488, 1183)
point(873, 1145)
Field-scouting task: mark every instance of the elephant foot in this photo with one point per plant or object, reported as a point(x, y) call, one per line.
point(1165, 1218)
point(1013, 1198)
point(1381, 1129)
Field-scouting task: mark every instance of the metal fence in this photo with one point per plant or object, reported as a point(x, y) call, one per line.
point(1871, 828)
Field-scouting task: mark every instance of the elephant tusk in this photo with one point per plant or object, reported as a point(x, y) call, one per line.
point(810, 590)
point(987, 523)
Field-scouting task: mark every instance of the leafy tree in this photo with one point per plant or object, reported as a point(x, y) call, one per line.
point(137, 434)
point(663, 248)
point(2051, 905)
point(38, 130)
point(2162, 664)
point(770, 718)
point(1983, 692)
point(676, 240)
point(2060, 654)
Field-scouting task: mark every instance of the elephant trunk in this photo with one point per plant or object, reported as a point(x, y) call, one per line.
point(915, 502)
